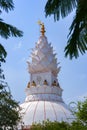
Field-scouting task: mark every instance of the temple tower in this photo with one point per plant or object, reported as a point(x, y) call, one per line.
point(43, 92)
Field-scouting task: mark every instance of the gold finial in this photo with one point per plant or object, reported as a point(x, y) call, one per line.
point(42, 28)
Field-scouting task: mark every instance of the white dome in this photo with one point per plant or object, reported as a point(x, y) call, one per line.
point(43, 103)
point(37, 111)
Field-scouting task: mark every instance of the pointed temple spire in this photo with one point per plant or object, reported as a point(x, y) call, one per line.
point(42, 29)
point(43, 93)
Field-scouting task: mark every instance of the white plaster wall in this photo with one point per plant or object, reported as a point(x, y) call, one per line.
point(40, 77)
point(43, 90)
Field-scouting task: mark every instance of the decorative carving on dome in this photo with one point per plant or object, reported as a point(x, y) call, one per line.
point(28, 86)
point(39, 79)
point(45, 82)
point(33, 84)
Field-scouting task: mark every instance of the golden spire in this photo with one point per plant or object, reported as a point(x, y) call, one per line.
point(42, 30)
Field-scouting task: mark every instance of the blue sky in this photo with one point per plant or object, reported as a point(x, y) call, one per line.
point(73, 74)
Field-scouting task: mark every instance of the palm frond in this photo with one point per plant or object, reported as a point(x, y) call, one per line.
point(60, 8)
point(6, 5)
point(7, 30)
point(77, 42)
point(3, 54)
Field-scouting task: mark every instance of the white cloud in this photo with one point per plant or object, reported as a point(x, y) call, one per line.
point(23, 59)
point(18, 46)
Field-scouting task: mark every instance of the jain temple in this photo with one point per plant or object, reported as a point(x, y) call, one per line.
point(43, 93)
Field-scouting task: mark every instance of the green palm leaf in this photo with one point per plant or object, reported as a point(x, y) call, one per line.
point(7, 30)
point(6, 5)
point(3, 54)
point(60, 8)
point(77, 42)
point(77, 38)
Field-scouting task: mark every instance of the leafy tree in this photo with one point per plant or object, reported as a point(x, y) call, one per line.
point(77, 125)
point(81, 112)
point(77, 38)
point(9, 108)
point(48, 125)
point(9, 114)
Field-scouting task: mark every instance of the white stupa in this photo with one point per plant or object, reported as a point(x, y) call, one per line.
point(43, 93)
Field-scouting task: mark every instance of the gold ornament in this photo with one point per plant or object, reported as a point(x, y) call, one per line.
point(28, 86)
point(42, 28)
point(33, 83)
point(45, 82)
point(54, 83)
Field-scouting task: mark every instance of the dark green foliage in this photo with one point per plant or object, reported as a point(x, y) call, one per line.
point(77, 41)
point(3, 54)
point(81, 113)
point(6, 5)
point(48, 125)
point(60, 8)
point(9, 115)
point(77, 38)
point(77, 125)
point(7, 30)
point(9, 108)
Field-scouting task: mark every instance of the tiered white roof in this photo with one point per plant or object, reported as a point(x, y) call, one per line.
point(43, 58)
point(43, 93)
